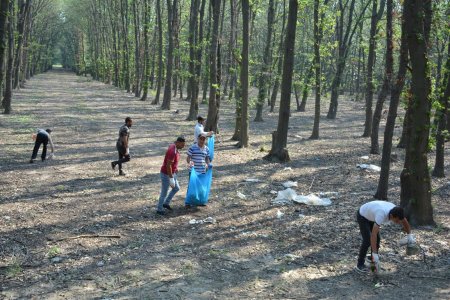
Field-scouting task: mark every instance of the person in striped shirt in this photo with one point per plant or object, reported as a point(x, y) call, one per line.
point(198, 156)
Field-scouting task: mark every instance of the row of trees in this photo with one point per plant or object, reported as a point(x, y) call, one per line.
point(187, 48)
point(28, 40)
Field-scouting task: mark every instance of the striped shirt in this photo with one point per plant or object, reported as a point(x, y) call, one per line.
point(198, 156)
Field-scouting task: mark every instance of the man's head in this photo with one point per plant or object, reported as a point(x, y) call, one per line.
point(200, 119)
point(128, 121)
point(180, 142)
point(201, 140)
point(48, 130)
point(396, 214)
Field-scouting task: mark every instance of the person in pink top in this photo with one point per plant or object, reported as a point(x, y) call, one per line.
point(169, 170)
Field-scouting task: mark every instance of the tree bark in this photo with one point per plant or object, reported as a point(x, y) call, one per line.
point(160, 53)
point(137, 45)
point(415, 196)
point(214, 88)
point(267, 63)
point(4, 6)
point(146, 81)
point(244, 73)
point(193, 44)
point(317, 41)
point(279, 151)
point(10, 62)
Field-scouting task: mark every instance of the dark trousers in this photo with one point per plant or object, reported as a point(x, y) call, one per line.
point(122, 158)
point(40, 139)
point(365, 228)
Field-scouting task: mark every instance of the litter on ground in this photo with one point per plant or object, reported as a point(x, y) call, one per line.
point(240, 195)
point(288, 196)
point(367, 167)
point(289, 184)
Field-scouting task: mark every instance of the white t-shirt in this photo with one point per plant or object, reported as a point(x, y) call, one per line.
point(376, 211)
point(199, 129)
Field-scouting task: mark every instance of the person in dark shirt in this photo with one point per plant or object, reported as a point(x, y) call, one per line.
point(122, 146)
point(42, 137)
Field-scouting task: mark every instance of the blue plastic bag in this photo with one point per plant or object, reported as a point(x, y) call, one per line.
point(211, 142)
point(200, 184)
point(199, 187)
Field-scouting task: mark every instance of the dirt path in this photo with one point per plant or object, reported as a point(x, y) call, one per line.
point(249, 253)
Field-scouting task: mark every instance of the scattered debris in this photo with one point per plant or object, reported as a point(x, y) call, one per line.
point(273, 192)
point(312, 199)
point(365, 157)
point(287, 169)
point(56, 259)
point(100, 263)
point(289, 184)
point(90, 236)
point(240, 195)
point(207, 220)
point(252, 180)
point(280, 214)
point(367, 167)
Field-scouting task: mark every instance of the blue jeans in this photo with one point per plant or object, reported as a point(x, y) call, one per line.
point(165, 184)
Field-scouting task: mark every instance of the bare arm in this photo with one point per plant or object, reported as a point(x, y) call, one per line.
point(51, 143)
point(406, 226)
point(169, 168)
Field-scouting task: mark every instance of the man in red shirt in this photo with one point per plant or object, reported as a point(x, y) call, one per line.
point(168, 174)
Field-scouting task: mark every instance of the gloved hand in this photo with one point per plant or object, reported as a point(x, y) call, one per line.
point(172, 182)
point(376, 261)
point(411, 239)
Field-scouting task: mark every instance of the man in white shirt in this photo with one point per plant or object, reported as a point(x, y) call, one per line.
point(370, 217)
point(200, 129)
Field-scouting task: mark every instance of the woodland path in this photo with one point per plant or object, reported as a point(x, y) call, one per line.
point(248, 253)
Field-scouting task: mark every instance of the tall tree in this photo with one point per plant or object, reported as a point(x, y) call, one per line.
point(137, 45)
point(317, 40)
point(279, 151)
point(4, 6)
point(387, 81)
point(6, 103)
point(344, 32)
point(171, 14)
point(193, 44)
point(243, 142)
point(147, 67)
point(383, 183)
point(376, 16)
point(214, 88)
point(267, 62)
point(160, 52)
point(24, 7)
point(415, 180)
point(438, 170)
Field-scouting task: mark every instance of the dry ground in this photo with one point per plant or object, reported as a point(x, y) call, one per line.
point(249, 253)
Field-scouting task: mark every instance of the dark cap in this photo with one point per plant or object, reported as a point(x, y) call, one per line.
point(181, 139)
point(48, 130)
point(200, 118)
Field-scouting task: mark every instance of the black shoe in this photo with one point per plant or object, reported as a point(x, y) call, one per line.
point(31, 161)
point(122, 173)
point(160, 212)
point(187, 206)
point(167, 206)
point(113, 165)
point(362, 269)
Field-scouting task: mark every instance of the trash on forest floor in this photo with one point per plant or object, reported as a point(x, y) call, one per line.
point(331, 195)
point(252, 180)
point(287, 169)
point(285, 196)
point(273, 192)
point(365, 157)
point(312, 199)
point(210, 220)
point(280, 214)
point(240, 195)
point(289, 184)
point(367, 167)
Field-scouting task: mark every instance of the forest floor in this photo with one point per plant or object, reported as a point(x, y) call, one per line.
point(71, 228)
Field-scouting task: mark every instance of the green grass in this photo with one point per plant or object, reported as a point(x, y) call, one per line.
point(14, 269)
point(54, 251)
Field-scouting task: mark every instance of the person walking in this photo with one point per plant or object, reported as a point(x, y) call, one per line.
point(168, 173)
point(42, 137)
point(200, 129)
point(370, 217)
point(122, 145)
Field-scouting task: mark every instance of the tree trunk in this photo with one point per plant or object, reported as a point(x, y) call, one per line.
point(317, 41)
point(4, 6)
point(415, 196)
point(193, 44)
point(376, 16)
point(137, 75)
point(276, 86)
point(267, 63)
point(171, 13)
point(438, 170)
point(214, 88)
point(160, 52)
point(10, 62)
point(383, 183)
point(244, 73)
point(279, 151)
point(306, 83)
point(146, 81)
point(387, 81)
point(23, 10)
